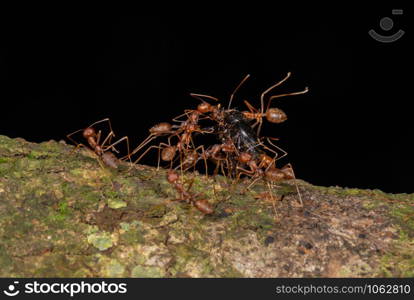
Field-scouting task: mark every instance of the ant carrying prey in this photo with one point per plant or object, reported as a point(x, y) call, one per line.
point(239, 151)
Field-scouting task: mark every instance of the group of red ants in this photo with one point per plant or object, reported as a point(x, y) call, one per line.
point(240, 151)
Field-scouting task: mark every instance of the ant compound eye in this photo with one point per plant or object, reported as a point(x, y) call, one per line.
point(88, 132)
point(276, 115)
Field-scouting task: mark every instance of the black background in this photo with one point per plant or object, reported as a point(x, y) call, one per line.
point(60, 73)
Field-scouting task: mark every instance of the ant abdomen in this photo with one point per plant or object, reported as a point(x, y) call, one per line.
point(110, 160)
point(203, 206)
point(276, 115)
point(168, 154)
point(275, 175)
point(163, 127)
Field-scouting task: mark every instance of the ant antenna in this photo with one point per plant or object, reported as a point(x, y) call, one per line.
point(236, 89)
point(288, 94)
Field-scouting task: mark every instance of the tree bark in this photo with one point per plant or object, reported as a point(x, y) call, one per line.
point(62, 214)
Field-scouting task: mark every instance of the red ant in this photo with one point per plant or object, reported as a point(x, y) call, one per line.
point(93, 139)
point(183, 132)
point(273, 115)
point(201, 204)
point(264, 166)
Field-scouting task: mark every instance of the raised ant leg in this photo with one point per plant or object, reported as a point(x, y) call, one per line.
point(236, 89)
point(263, 95)
point(110, 135)
point(277, 147)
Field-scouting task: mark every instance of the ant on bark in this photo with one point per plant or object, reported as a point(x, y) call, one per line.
point(201, 204)
point(101, 149)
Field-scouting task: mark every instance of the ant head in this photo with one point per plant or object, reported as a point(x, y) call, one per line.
point(204, 107)
point(245, 157)
point(194, 116)
point(265, 157)
point(89, 132)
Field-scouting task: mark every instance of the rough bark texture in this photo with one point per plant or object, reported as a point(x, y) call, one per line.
point(64, 215)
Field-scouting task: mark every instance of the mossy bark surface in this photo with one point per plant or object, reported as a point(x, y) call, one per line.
point(64, 215)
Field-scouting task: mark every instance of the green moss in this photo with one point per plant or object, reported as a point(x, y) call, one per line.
point(147, 272)
point(115, 204)
point(4, 160)
point(49, 197)
point(398, 261)
point(100, 240)
point(115, 269)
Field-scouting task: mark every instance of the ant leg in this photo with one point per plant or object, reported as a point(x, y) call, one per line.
point(276, 157)
point(98, 137)
point(253, 182)
point(244, 171)
point(277, 147)
point(101, 121)
point(218, 165)
point(77, 147)
point(259, 128)
point(273, 199)
point(250, 107)
point(125, 138)
point(223, 170)
point(108, 139)
point(254, 111)
point(143, 144)
point(287, 94)
point(204, 158)
point(186, 113)
point(296, 184)
point(111, 132)
point(264, 93)
point(250, 173)
point(269, 89)
point(236, 89)
point(145, 152)
point(68, 136)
